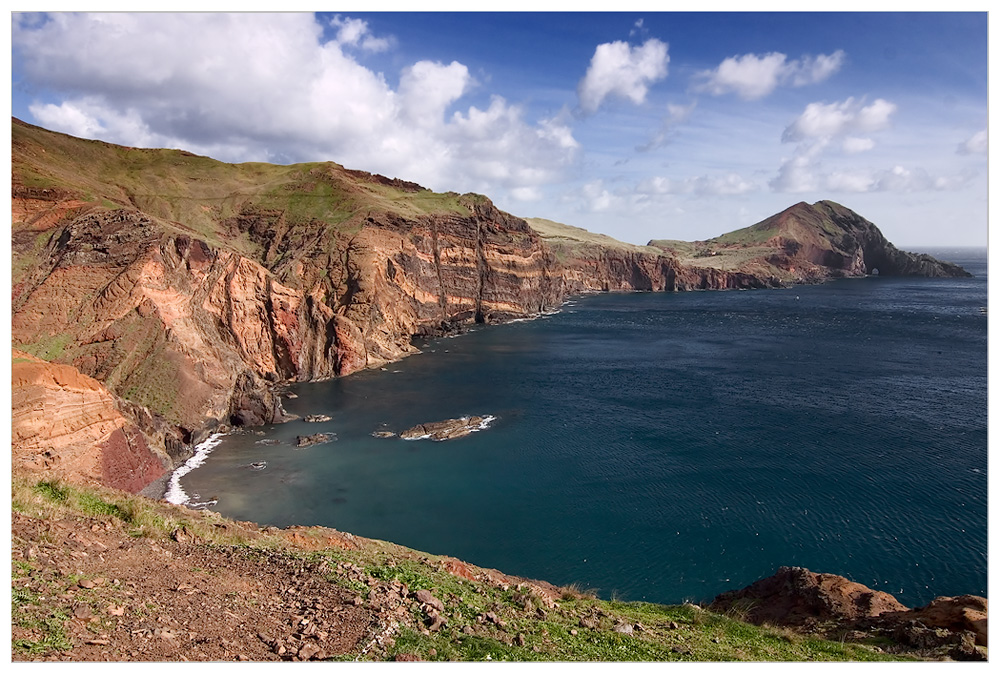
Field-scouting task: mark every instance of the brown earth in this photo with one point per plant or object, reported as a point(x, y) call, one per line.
point(122, 596)
point(140, 599)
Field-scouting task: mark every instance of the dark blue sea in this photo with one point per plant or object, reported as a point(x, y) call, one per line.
point(664, 446)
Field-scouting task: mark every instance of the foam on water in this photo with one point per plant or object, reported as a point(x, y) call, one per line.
point(175, 493)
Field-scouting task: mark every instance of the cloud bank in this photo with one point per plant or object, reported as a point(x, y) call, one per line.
point(281, 88)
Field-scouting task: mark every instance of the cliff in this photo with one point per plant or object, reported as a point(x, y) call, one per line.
point(190, 288)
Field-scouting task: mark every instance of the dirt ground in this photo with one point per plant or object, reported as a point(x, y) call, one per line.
point(137, 599)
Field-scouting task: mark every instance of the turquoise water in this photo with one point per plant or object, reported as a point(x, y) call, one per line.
point(664, 446)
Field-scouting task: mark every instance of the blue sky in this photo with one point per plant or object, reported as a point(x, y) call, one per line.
point(640, 125)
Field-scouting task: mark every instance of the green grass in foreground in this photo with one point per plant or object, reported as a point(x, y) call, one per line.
point(579, 627)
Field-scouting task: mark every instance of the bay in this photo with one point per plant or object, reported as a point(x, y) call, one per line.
point(664, 446)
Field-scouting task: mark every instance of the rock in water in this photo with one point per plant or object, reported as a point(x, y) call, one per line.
point(317, 439)
point(317, 418)
point(449, 429)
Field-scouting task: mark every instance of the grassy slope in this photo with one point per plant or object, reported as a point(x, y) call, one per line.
point(558, 233)
point(669, 633)
point(196, 194)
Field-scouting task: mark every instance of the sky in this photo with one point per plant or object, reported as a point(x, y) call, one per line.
point(640, 125)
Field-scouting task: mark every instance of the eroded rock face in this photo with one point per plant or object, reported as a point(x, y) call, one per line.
point(67, 424)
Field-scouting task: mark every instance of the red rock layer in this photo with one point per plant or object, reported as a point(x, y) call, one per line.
point(66, 423)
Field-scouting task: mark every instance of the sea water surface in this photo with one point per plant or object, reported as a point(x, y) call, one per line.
point(664, 446)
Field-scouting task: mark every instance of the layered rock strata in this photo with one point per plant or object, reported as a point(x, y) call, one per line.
point(67, 425)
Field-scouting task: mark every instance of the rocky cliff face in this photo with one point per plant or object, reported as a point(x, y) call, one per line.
point(198, 332)
point(66, 424)
point(190, 288)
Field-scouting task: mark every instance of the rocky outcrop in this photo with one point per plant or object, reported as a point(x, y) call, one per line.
point(315, 439)
point(795, 596)
point(826, 603)
point(955, 614)
point(66, 424)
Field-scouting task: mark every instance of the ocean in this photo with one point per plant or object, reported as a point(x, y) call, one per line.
point(662, 446)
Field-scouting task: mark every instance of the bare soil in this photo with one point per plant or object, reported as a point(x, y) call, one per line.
point(137, 599)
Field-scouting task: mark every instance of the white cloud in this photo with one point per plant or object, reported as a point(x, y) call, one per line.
point(901, 179)
point(426, 89)
point(752, 77)
point(355, 33)
point(829, 120)
point(729, 184)
point(848, 181)
point(250, 86)
point(854, 145)
point(798, 173)
point(617, 69)
point(528, 194)
point(597, 198)
point(816, 130)
point(977, 144)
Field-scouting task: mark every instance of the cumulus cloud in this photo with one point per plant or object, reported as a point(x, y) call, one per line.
point(251, 86)
point(597, 198)
point(620, 70)
point(426, 89)
point(355, 33)
point(901, 179)
point(816, 131)
point(752, 77)
point(977, 144)
point(829, 120)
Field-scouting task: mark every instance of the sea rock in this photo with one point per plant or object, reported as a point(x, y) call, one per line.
point(383, 434)
point(317, 439)
point(794, 596)
point(317, 418)
point(449, 429)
